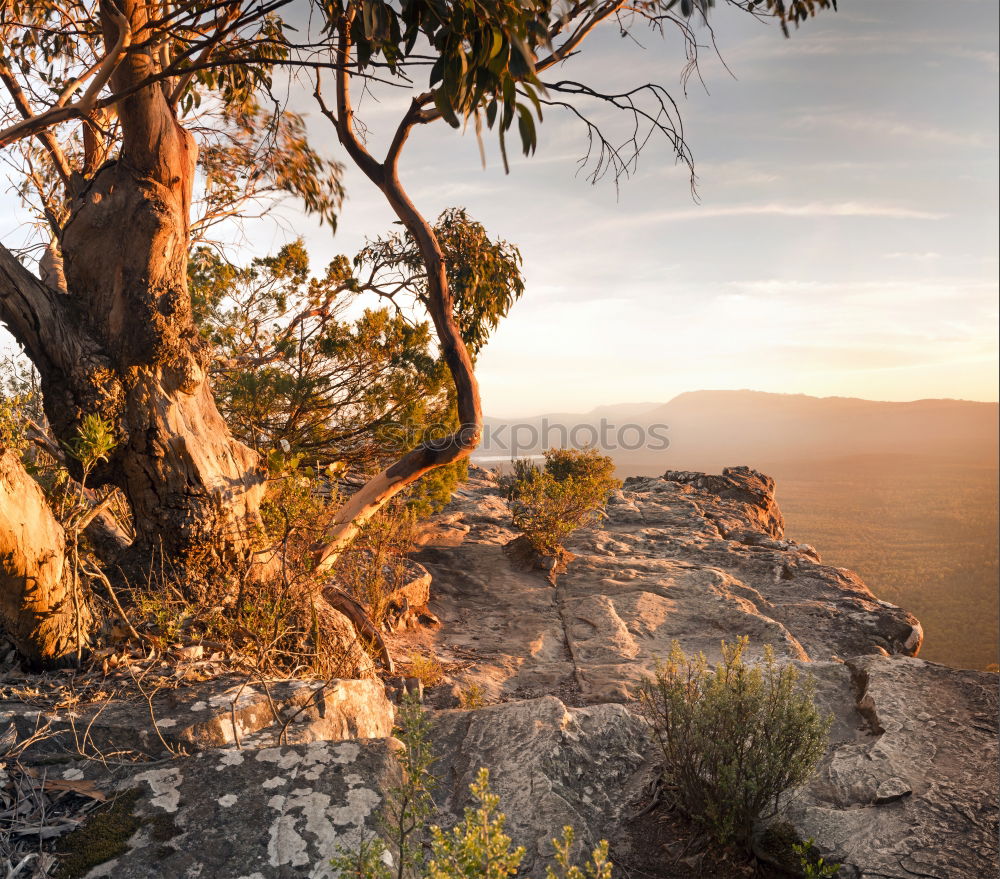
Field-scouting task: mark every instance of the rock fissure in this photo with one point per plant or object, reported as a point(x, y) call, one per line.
point(908, 783)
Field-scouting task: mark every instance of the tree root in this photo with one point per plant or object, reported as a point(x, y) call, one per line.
point(362, 622)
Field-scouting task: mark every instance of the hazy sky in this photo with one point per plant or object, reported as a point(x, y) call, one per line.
point(845, 242)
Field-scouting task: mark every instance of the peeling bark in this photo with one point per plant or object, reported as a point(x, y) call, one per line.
point(36, 600)
point(118, 339)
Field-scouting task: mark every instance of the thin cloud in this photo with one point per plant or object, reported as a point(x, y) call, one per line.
point(891, 128)
point(982, 56)
point(783, 209)
point(886, 288)
point(915, 256)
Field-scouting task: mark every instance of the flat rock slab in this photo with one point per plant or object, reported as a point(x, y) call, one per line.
point(272, 813)
point(910, 784)
point(211, 714)
point(689, 557)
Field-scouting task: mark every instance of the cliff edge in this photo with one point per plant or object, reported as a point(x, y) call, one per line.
point(277, 775)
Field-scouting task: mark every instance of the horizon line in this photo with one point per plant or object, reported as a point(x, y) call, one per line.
point(656, 405)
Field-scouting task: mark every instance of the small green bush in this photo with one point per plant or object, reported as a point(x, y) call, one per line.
point(548, 504)
point(732, 738)
point(475, 848)
point(814, 866)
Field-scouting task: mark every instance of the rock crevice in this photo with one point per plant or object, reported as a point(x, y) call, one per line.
point(908, 785)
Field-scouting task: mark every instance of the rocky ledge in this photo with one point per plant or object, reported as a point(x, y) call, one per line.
point(908, 786)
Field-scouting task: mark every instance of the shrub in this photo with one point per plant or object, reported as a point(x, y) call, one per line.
point(426, 667)
point(20, 402)
point(472, 697)
point(475, 848)
point(402, 820)
point(732, 738)
point(813, 866)
point(548, 504)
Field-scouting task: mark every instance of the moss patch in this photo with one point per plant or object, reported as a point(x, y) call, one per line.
point(161, 828)
point(104, 836)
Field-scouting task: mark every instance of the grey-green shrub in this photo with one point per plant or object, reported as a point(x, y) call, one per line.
point(733, 738)
point(475, 848)
point(548, 504)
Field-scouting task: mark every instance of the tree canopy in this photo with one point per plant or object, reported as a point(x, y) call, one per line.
point(131, 130)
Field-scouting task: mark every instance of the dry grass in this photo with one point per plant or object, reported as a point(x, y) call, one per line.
point(375, 565)
point(471, 697)
point(424, 666)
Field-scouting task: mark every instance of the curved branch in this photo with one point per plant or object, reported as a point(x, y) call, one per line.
point(362, 622)
point(344, 120)
point(46, 137)
point(620, 159)
point(372, 496)
point(37, 316)
point(580, 33)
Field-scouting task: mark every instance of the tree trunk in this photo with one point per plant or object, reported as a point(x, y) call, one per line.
point(37, 604)
point(120, 343)
point(193, 489)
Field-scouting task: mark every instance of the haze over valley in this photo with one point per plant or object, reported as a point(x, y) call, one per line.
point(903, 493)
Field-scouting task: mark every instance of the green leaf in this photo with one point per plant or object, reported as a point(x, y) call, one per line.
point(444, 108)
point(497, 43)
point(526, 127)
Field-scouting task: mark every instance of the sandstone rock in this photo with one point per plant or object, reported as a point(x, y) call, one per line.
point(909, 785)
point(441, 531)
point(550, 765)
point(750, 496)
point(891, 789)
point(907, 788)
point(218, 712)
point(271, 813)
point(698, 559)
point(416, 590)
point(694, 558)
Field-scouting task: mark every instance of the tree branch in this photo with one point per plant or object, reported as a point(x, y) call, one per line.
point(580, 33)
point(33, 125)
point(46, 137)
point(36, 315)
point(343, 122)
point(372, 496)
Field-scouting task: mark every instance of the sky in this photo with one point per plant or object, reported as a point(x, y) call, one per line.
point(843, 240)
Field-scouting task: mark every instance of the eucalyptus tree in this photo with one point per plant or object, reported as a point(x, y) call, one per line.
point(301, 372)
point(95, 92)
point(488, 66)
point(106, 105)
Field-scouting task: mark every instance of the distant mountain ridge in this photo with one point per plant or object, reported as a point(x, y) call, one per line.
point(712, 429)
point(904, 493)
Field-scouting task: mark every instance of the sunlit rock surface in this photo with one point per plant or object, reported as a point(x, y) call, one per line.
point(228, 710)
point(908, 786)
point(671, 561)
